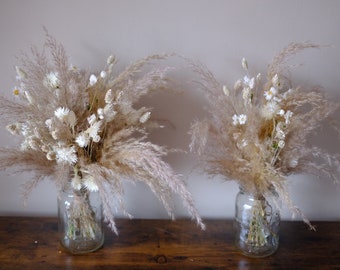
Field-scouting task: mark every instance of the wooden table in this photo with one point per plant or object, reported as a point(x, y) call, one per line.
point(32, 243)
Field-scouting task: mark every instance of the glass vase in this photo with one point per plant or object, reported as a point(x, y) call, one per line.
point(257, 223)
point(80, 220)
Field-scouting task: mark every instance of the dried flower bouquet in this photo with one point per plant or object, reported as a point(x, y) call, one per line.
point(257, 133)
point(73, 121)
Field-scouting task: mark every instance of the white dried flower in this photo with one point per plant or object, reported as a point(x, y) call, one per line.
point(25, 129)
point(96, 138)
point(145, 117)
point(288, 115)
point(48, 123)
point(93, 79)
point(235, 120)
point(242, 119)
point(270, 94)
point(89, 183)
point(66, 116)
point(54, 134)
point(226, 90)
point(71, 119)
point(83, 139)
point(108, 96)
point(280, 134)
point(111, 59)
point(61, 113)
point(91, 119)
point(239, 119)
point(100, 113)
point(66, 154)
point(67, 205)
point(250, 82)
point(93, 130)
point(107, 113)
point(281, 144)
point(281, 112)
point(52, 80)
point(270, 109)
point(103, 74)
point(20, 73)
point(244, 64)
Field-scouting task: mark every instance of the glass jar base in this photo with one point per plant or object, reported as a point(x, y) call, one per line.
point(256, 252)
point(81, 246)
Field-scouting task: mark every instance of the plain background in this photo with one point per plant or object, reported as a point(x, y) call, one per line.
point(217, 33)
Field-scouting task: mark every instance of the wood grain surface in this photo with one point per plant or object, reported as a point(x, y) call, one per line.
point(32, 243)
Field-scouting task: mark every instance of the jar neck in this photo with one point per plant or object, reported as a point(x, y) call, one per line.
point(256, 194)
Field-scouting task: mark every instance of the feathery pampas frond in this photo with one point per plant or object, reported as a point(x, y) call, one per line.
point(257, 133)
point(86, 124)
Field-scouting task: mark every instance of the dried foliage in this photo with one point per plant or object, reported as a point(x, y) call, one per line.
point(257, 133)
point(74, 122)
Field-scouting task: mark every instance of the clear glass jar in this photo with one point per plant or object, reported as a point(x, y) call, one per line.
point(257, 224)
point(80, 220)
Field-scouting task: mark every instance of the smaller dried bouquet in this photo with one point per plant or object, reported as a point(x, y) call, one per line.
point(85, 129)
point(257, 133)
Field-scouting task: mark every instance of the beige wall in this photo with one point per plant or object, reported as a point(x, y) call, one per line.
point(219, 33)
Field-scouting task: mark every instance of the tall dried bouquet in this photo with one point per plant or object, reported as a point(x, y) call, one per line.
point(257, 132)
point(85, 127)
